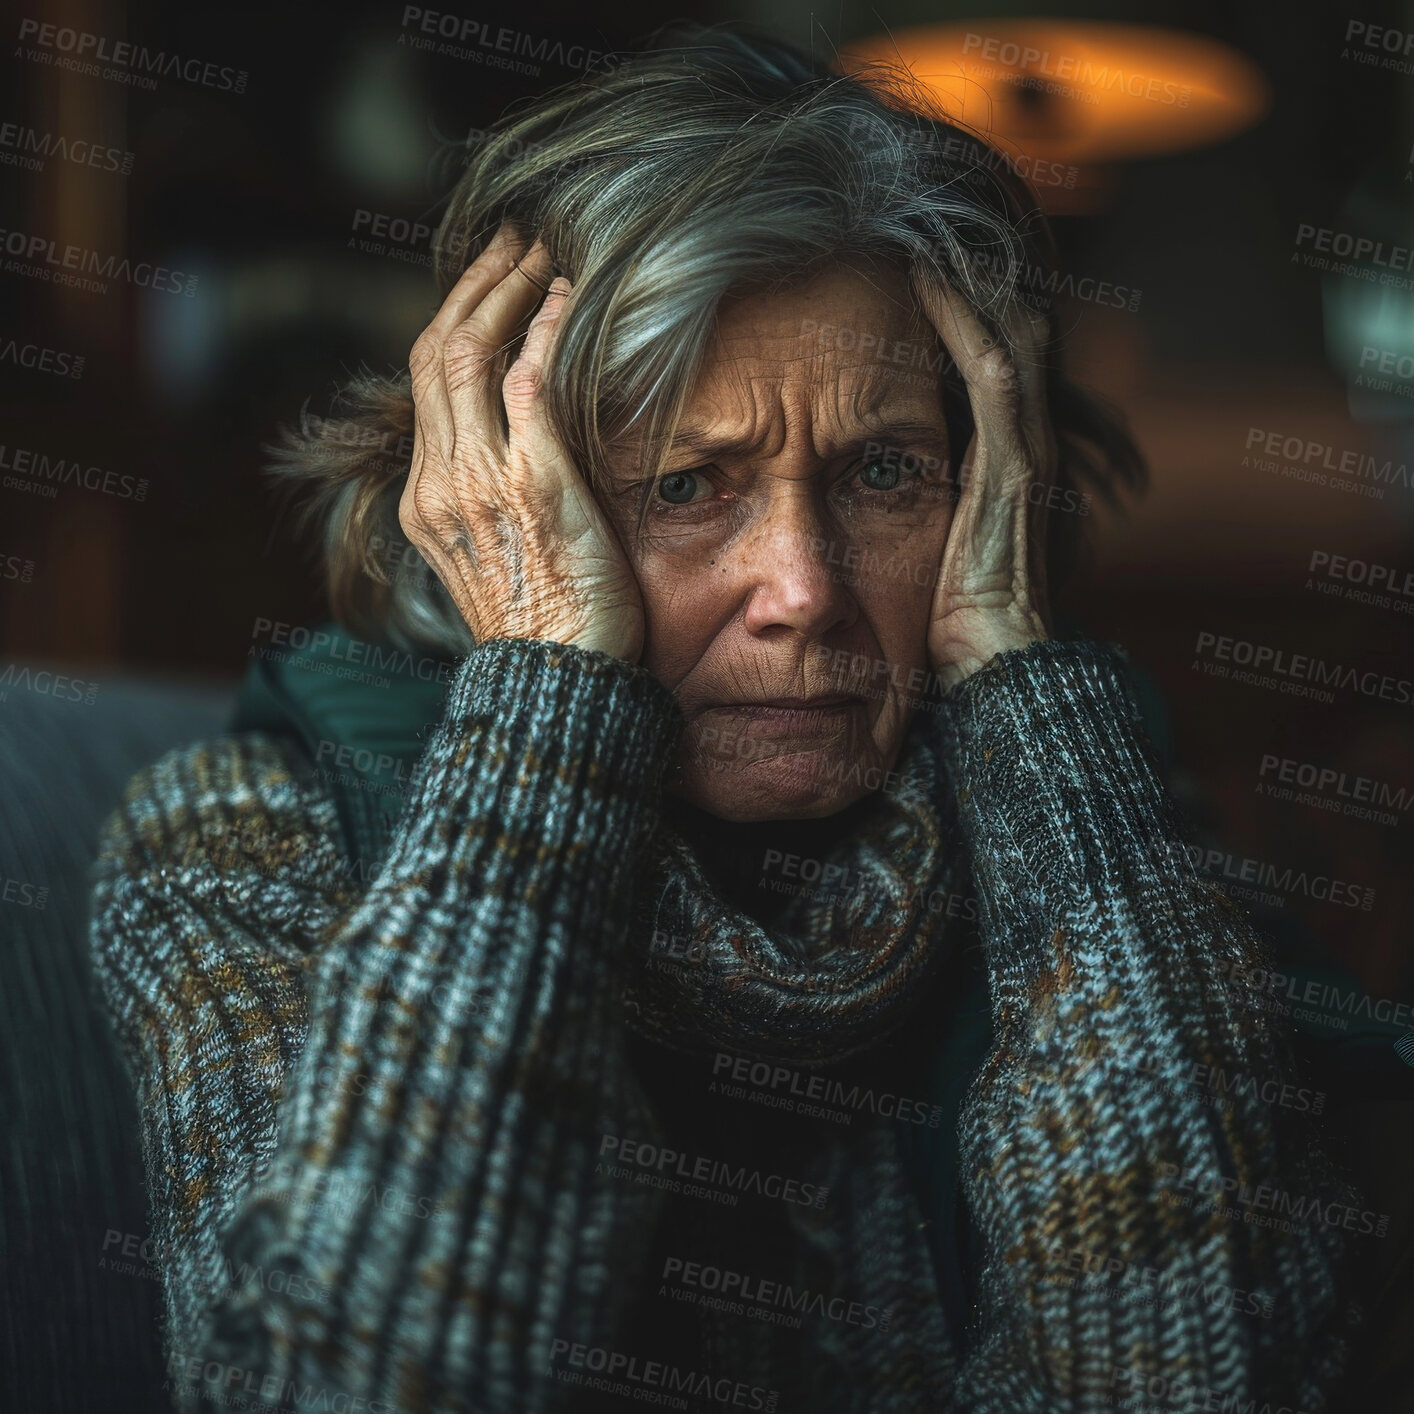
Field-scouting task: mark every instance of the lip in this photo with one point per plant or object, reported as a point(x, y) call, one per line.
point(823, 702)
point(795, 717)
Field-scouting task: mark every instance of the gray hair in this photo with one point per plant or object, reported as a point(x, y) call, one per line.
point(707, 163)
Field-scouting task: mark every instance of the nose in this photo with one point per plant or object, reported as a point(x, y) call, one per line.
point(793, 587)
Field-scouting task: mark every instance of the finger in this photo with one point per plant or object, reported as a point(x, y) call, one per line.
point(477, 281)
point(524, 381)
point(996, 389)
point(1030, 334)
point(475, 348)
point(430, 402)
point(432, 522)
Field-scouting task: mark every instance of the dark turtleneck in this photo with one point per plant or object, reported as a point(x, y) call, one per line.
point(733, 853)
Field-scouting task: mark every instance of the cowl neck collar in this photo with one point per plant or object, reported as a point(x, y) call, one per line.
point(738, 859)
point(836, 960)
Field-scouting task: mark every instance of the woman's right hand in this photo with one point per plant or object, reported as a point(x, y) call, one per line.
point(508, 525)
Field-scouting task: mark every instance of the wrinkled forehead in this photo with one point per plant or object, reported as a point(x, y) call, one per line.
point(841, 318)
point(849, 346)
point(844, 351)
point(873, 371)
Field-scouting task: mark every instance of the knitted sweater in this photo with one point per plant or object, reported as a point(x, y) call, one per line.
point(373, 1114)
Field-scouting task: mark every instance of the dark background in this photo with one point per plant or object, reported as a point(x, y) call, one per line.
point(257, 193)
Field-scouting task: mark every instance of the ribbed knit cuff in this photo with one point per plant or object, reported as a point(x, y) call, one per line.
point(1125, 1060)
point(528, 683)
point(462, 1048)
point(532, 801)
point(548, 746)
point(1056, 781)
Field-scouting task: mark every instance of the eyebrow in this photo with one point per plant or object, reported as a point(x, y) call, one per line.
point(866, 400)
point(701, 443)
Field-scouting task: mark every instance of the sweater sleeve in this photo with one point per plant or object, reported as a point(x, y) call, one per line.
point(1130, 1074)
point(372, 1122)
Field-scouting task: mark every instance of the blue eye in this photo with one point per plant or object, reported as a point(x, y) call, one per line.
point(679, 487)
point(876, 476)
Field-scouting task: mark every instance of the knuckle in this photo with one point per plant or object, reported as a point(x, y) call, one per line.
point(426, 353)
point(411, 519)
point(465, 346)
point(421, 508)
point(523, 383)
point(464, 368)
point(996, 369)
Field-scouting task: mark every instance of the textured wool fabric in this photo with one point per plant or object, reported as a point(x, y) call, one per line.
point(842, 960)
point(376, 1118)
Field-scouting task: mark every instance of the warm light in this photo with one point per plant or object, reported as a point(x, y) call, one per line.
point(1078, 93)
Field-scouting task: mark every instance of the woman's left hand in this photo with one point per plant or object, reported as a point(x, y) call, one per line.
point(991, 590)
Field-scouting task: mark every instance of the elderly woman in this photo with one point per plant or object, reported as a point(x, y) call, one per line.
point(560, 1103)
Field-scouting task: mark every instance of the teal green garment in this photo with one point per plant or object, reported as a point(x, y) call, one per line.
point(364, 714)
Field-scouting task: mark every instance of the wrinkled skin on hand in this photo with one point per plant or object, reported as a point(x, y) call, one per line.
point(508, 525)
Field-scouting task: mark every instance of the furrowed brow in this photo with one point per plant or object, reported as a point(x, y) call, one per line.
point(700, 442)
point(902, 428)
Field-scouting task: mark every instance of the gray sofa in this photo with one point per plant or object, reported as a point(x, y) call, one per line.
point(79, 1315)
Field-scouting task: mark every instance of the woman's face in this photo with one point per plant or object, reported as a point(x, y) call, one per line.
point(789, 550)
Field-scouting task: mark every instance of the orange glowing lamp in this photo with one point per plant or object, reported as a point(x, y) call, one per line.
point(1073, 93)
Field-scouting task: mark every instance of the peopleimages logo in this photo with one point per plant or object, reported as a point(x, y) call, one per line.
point(29, 470)
point(979, 160)
point(1219, 1083)
point(136, 64)
point(1331, 789)
point(1097, 78)
point(1039, 173)
point(1264, 1205)
point(1361, 582)
point(1153, 1285)
point(1293, 670)
point(633, 1377)
point(131, 1259)
point(1379, 46)
point(1391, 361)
point(380, 772)
point(1052, 283)
point(1354, 256)
point(1219, 863)
point(838, 882)
point(785, 1081)
point(16, 568)
point(1305, 459)
point(282, 636)
point(28, 148)
point(398, 238)
point(493, 44)
point(1177, 1392)
point(42, 257)
point(749, 1291)
point(670, 1168)
point(43, 683)
point(341, 1193)
point(1345, 243)
point(17, 891)
point(237, 1385)
point(1309, 999)
point(41, 359)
